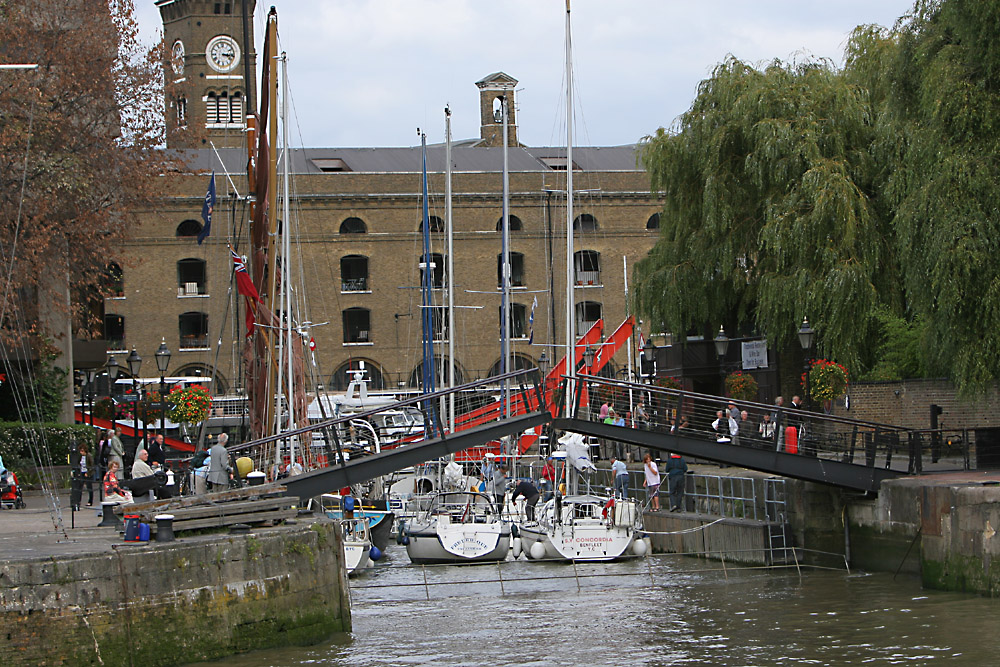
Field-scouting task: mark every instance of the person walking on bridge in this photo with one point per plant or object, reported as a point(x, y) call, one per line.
point(676, 468)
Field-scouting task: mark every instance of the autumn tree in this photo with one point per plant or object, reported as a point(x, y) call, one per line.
point(77, 157)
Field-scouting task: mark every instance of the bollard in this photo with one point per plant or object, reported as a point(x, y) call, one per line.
point(164, 527)
point(256, 478)
point(108, 518)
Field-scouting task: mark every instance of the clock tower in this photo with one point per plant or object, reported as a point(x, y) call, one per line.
point(206, 83)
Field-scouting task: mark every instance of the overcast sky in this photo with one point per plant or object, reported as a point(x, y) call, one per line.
point(369, 72)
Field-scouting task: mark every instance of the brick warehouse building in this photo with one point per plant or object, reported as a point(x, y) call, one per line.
point(355, 220)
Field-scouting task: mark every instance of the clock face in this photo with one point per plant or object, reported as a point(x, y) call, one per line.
point(223, 54)
point(177, 57)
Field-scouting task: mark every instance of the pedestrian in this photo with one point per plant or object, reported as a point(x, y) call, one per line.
point(652, 482)
point(82, 464)
point(777, 416)
point(527, 489)
point(156, 453)
point(766, 430)
point(794, 426)
point(220, 470)
point(548, 476)
point(734, 412)
point(116, 449)
point(620, 474)
point(641, 417)
point(725, 427)
point(486, 470)
point(500, 485)
point(745, 429)
point(676, 468)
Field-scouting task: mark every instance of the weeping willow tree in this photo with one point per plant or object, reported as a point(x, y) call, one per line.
point(945, 101)
point(769, 184)
point(864, 198)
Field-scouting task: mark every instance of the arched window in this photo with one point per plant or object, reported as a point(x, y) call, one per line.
point(440, 367)
point(587, 312)
point(436, 268)
point(519, 362)
point(114, 332)
point(653, 222)
point(435, 224)
point(353, 226)
point(188, 229)
point(193, 330)
point(518, 320)
point(353, 273)
point(181, 107)
point(345, 373)
point(191, 277)
point(212, 108)
point(114, 280)
point(585, 222)
point(236, 108)
point(587, 267)
point(218, 385)
point(357, 325)
point(513, 221)
point(516, 269)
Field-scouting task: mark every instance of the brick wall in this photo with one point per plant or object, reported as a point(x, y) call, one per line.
point(907, 404)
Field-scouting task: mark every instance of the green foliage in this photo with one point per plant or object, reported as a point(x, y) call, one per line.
point(864, 198)
point(899, 355)
point(767, 183)
point(57, 440)
point(741, 386)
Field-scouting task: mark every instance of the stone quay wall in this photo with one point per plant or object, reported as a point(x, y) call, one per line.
point(175, 603)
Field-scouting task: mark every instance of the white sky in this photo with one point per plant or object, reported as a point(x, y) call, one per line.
point(369, 72)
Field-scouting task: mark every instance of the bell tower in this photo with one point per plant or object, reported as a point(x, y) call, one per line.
point(206, 84)
point(492, 89)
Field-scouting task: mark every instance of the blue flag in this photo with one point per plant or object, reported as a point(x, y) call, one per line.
point(206, 210)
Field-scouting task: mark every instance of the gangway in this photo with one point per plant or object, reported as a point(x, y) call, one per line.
point(847, 453)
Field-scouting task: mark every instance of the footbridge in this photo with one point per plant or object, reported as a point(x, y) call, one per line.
point(797, 443)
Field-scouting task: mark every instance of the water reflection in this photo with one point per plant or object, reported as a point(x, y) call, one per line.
point(658, 611)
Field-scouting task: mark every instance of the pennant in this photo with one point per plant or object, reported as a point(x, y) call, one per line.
point(531, 321)
point(206, 210)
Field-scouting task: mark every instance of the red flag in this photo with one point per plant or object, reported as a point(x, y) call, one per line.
point(312, 344)
point(244, 285)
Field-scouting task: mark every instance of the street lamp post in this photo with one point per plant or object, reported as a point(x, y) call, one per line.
point(162, 361)
point(806, 335)
point(91, 374)
point(721, 347)
point(134, 362)
point(114, 369)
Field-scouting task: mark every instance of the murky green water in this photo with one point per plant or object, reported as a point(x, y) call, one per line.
point(659, 611)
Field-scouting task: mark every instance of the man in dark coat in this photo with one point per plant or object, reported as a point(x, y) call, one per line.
point(676, 468)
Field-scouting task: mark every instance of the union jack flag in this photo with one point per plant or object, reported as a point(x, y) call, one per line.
point(245, 286)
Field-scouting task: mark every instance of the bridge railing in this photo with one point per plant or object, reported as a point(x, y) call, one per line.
point(769, 427)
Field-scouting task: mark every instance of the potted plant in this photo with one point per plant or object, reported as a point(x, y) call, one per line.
point(189, 405)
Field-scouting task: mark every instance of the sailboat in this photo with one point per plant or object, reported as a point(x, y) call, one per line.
point(574, 525)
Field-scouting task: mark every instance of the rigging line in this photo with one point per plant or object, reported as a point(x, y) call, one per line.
point(17, 220)
point(224, 169)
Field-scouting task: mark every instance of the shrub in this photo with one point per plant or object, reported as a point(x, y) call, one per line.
point(58, 439)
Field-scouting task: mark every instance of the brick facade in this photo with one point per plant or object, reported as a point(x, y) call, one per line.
point(907, 403)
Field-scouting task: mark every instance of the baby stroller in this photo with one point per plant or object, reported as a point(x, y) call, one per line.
point(10, 491)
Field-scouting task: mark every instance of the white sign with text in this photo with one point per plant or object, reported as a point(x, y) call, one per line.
point(754, 354)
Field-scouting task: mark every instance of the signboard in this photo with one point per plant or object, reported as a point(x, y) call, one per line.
point(754, 354)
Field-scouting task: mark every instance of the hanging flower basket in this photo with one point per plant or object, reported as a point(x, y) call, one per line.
point(827, 380)
point(668, 383)
point(741, 386)
point(189, 406)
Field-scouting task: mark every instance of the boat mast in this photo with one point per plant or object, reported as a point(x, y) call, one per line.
point(426, 315)
point(570, 333)
point(505, 363)
point(286, 264)
point(450, 273)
